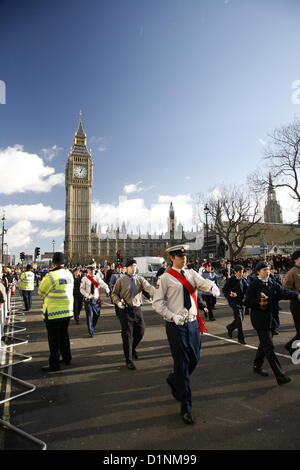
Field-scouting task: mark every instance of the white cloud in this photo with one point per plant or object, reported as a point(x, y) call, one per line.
point(290, 207)
point(21, 171)
point(179, 199)
point(19, 235)
point(133, 188)
point(51, 152)
point(52, 233)
point(135, 213)
point(33, 212)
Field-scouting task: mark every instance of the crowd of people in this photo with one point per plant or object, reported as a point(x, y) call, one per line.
point(182, 290)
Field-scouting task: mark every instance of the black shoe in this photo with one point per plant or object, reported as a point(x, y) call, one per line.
point(260, 371)
point(188, 418)
point(284, 379)
point(170, 383)
point(242, 341)
point(131, 366)
point(230, 331)
point(275, 333)
point(64, 362)
point(50, 369)
point(135, 355)
point(212, 319)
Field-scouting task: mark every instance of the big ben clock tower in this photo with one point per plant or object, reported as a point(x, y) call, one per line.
point(79, 176)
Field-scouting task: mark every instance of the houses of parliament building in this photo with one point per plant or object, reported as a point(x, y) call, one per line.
point(84, 240)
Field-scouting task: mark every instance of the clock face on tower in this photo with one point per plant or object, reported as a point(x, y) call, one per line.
point(80, 171)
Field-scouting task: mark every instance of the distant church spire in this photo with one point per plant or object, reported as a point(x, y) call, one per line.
point(272, 212)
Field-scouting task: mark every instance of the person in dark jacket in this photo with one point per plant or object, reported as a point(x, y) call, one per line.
point(235, 290)
point(292, 281)
point(262, 297)
point(276, 278)
point(78, 298)
point(246, 280)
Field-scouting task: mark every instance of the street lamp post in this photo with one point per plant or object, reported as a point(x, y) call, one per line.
point(206, 211)
point(2, 238)
point(53, 243)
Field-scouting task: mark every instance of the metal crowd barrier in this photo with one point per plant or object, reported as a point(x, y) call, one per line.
point(10, 313)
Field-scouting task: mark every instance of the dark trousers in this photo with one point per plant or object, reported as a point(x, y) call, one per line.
point(266, 349)
point(59, 341)
point(133, 328)
point(209, 300)
point(295, 311)
point(185, 344)
point(27, 297)
point(78, 301)
point(238, 315)
point(92, 310)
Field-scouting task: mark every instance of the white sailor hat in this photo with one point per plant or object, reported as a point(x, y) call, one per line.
point(178, 250)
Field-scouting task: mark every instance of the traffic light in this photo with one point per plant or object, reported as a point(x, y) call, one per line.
point(37, 251)
point(22, 255)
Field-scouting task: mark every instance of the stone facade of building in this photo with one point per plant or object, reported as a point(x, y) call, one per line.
point(84, 241)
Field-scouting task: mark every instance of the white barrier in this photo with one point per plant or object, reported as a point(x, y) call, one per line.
point(8, 313)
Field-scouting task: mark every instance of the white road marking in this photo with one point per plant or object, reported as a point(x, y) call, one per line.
point(245, 345)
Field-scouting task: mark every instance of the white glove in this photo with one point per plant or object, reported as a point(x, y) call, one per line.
point(107, 291)
point(177, 319)
point(121, 305)
point(184, 314)
point(215, 291)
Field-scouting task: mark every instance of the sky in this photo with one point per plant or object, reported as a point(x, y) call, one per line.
point(178, 97)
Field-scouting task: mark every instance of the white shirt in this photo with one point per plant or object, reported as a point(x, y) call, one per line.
point(168, 295)
point(86, 284)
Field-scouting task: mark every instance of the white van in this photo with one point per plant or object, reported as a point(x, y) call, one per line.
point(147, 266)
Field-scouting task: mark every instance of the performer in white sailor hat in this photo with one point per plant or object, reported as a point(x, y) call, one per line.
point(175, 298)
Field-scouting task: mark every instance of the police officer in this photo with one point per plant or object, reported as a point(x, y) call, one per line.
point(127, 295)
point(56, 288)
point(90, 289)
point(234, 291)
point(174, 299)
point(27, 286)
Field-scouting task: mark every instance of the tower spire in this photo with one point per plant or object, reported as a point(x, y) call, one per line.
point(272, 212)
point(80, 136)
point(80, 132)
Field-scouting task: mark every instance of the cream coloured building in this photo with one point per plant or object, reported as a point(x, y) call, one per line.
point(84, 241)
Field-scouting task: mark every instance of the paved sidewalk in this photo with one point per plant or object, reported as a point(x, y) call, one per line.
point(96, 403)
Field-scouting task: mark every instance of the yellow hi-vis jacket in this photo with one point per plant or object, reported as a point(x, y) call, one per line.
point(56, 289)
point(26, 281)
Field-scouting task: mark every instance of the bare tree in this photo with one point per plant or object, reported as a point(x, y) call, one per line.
point(282, 159)
point(234, 214)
